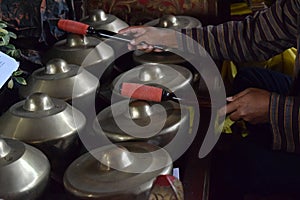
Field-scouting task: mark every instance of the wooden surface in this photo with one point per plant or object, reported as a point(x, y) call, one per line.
point(195, 172)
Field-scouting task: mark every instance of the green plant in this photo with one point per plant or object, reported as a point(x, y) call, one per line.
point(9, 49)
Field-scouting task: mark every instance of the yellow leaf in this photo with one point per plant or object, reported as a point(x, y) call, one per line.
point(10, 84)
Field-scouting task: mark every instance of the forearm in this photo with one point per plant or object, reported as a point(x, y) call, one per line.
point(256, 38)
point(284, 118)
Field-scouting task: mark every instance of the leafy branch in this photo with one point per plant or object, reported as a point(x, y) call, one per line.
point(9, 49)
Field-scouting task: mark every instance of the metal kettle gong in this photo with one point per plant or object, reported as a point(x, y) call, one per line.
point(61, 80)
point(119, 127)
point(175, 22)
point(98, 19)
point(81, 50)
point(173, 77)
point(24, 170)
point(49, 125)
point(116, 172)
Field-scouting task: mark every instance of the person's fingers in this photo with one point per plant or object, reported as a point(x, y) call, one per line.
point(130, 47)
point(235, 116)
point(238, 95)
point(139, 34)
point(230, 99)
point(149, 49)
point(140, 41)
point(141, 46)
point(157, 50)
point(132, 30)
point(231, 107)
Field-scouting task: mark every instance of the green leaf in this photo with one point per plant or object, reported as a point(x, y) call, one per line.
point(12, 35)
point(10, 46)
point(4, 31)
point(16, 54)
point(5, 40)
point(20, 80)
point(13, 53)
point(18, 73)
point(3, 24)
point(5, 37)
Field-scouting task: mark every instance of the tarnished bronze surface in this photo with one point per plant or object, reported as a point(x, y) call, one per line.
point(172, 77)
point(100, 20)
point(141, 113)
point(92, 177)
point(58, 79)
point(48, 124)
point(80, 50)
point(40, 118)
point(175, 22)
point(24, 170)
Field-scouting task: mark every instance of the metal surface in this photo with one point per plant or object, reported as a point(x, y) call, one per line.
point(39, 119)
point(100, 20)
point(140, 113)
point(88, 178)
point(175, 22)
point(173, 77)
point(57, 79)
point(75, 49)
point(167, 57)
point(164, 57)
point(24, 171)
point(46, 123)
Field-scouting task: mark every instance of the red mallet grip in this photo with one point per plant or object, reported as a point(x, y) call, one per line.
point(72, 26)
point(143, 92)
point(164, 180)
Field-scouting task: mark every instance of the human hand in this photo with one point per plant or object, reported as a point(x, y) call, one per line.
point(251, 105)
point(145, 37)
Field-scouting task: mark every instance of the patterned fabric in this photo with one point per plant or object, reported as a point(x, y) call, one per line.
point(137, 12)
point(284, 110)
point(28, 18)
point(258, 38)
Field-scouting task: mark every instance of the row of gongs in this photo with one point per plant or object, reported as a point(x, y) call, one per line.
point(51, 130)
point(46, 122)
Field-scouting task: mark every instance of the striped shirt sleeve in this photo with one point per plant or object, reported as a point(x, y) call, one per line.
point(256, 38)
point(285, 122)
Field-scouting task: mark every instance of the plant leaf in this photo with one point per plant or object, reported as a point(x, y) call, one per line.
point(10, 84)
point(4, 31)
point(5, 40)
point(3, 24)
point(17, 73)
point(10, 46)
point(12, 35)
point(15, 53)
point(20, 80)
